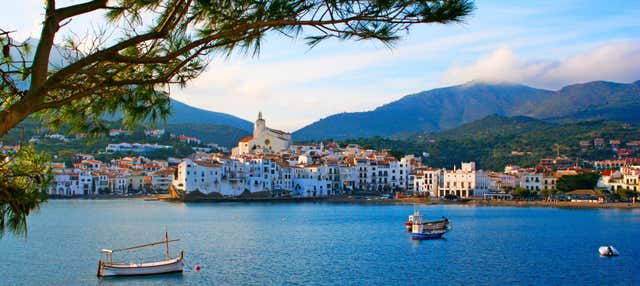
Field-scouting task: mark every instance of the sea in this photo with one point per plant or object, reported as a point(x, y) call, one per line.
point(321, 243)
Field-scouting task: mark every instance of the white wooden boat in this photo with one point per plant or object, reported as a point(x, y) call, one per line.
point(170, 265)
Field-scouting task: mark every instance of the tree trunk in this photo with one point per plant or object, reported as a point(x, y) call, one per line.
point(13, 115)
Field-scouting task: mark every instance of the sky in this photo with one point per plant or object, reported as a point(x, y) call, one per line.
point(544, 44)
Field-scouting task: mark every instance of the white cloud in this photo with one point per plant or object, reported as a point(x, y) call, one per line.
point(293, 91)
point(614, 61)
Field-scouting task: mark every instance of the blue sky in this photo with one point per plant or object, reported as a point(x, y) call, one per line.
point(546, 44)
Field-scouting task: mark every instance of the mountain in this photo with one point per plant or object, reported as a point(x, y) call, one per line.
point(183, 113)
point(593, 100)
point(223, 135)
point(448, 107)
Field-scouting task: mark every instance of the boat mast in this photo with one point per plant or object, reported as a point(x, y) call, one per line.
point(166, 242)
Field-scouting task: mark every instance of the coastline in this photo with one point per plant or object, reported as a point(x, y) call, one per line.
point(350, 200)
point(417, 201)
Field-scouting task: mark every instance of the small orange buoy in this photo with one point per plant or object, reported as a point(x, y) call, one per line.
point(197, 268)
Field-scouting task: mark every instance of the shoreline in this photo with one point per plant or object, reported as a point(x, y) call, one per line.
point(418, 201)
point(373, 201)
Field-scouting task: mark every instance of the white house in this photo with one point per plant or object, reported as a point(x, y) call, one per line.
point(202, 176)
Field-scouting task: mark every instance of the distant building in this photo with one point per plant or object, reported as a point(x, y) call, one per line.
point(585, 144)
point(154, 133)
point(135, 147)
point(188, 139)
point(118, 132)
point(585, 196)
point(633, 145)
point(598, 143)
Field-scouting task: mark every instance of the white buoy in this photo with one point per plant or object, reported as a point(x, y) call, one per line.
point(608, 251)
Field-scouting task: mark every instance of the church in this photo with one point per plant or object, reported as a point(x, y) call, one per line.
point(264, 140)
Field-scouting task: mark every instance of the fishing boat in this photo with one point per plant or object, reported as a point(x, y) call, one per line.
point(429, 225)
point(608, 251)
point(421, 230)
point(169, 265)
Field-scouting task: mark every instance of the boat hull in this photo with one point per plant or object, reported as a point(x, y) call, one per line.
point(427, 235)
point(423, 236)
point(141, 269)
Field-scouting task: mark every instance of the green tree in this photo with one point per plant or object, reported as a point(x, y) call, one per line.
point(547, 194)
point(576, 182)
point(157, 43)
point(627, 194)
point(521, 193)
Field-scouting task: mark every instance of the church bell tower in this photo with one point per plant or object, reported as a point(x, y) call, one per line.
point(260, 126)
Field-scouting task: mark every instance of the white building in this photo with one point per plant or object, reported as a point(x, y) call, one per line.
point(264, 138)
point(463, 183)
point(201, 176)
point(628, 177)
point(427, 181)
point(532, 181)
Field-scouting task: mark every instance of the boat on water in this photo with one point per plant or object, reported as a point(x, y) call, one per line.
point(442, 224)
point(421, 230)
point(608, 251)
point(170, 265)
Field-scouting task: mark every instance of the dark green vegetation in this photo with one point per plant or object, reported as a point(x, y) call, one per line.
point(20, 181)
point(496, 141)
point(448, 107)
point(585, 181)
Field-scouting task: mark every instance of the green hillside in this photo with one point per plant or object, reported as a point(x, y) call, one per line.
point(496, 141)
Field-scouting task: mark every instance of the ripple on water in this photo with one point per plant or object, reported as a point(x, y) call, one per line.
point(326, 244)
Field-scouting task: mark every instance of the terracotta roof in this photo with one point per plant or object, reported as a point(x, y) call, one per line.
point(607, 173)
point(246, 139)
point(207, 164)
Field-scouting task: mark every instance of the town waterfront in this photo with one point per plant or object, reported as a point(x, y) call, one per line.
point(326, 243)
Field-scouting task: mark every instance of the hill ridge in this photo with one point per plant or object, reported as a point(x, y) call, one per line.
point(447, 107)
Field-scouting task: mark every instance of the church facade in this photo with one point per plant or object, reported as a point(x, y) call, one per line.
point(264, 139)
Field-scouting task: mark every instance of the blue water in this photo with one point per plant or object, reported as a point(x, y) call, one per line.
point(325, 244)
